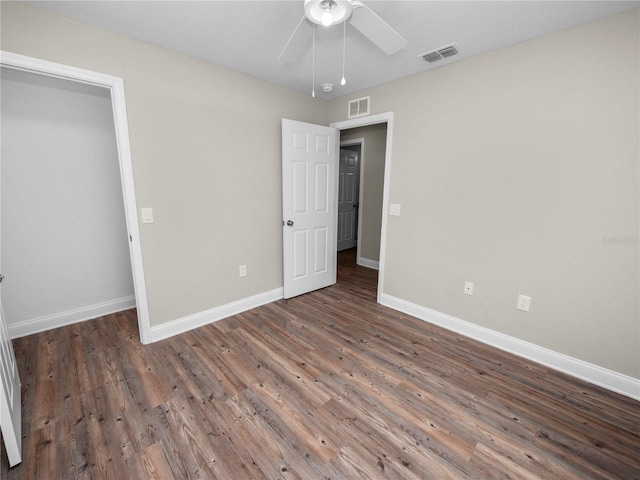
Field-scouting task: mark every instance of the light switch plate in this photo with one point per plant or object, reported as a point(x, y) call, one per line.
point(147, 215)
point(394, 209)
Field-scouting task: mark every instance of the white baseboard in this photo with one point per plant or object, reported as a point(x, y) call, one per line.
point(49, 322)
point(603, 377)
point(184, 324)
point(367, 262)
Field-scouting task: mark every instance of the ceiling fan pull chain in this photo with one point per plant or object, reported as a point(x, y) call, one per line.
point(313, 63)
point(344, 51)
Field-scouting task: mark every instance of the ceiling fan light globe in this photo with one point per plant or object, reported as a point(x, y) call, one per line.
point(326, 18)
point(339, 13)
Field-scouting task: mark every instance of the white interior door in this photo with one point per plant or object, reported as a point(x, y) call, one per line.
point(10, 408)
point(309, 177)
point(348, 199)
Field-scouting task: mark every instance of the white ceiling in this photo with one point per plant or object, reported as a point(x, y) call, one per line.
point(248, 36)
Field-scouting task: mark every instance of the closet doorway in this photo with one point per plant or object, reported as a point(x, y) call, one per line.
point(41, 75)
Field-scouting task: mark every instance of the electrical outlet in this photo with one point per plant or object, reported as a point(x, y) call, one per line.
point(523, 303)
point(242, 270)
point(468, 288)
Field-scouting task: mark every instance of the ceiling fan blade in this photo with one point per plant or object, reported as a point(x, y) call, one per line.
point(376, 29)
point(296, 43)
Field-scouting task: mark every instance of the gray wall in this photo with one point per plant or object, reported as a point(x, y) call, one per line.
point(518, 170)
point(64, 238)
point(375, 142)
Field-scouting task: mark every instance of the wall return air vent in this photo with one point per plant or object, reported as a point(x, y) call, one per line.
point(359, 107)
point(440, 53)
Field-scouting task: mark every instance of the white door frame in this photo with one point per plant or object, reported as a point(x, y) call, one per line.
point(363, 122)
point(360, 143)
point(116, 87)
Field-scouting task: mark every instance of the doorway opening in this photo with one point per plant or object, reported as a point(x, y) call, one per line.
point(372, 135)
point(114, 91)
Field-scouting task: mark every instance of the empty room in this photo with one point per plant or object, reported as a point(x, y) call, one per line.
point(332, 239)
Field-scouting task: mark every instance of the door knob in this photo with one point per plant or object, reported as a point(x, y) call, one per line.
point(290, 223)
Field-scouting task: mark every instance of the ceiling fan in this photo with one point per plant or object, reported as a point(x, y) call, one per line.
point(332, 12)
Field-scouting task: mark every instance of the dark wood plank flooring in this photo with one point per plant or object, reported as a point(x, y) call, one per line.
point(327, 385)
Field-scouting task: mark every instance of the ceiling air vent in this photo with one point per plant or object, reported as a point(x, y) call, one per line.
point(359, 107)
point(440, 53)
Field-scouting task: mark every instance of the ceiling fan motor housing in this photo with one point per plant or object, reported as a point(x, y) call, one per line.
point(340, 10)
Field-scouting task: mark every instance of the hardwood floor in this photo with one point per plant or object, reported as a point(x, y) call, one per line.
point(327, 385)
